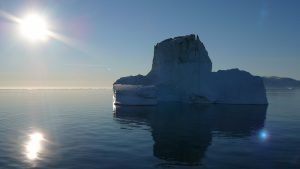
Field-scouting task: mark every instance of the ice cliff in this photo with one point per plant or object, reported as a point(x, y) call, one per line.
point(182, 71)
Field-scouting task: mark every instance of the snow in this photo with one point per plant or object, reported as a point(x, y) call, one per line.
point(182, 71)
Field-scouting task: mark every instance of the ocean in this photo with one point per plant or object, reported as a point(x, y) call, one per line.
point(81, 129)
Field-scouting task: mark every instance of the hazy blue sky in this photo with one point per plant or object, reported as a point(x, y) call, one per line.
point(116, 38)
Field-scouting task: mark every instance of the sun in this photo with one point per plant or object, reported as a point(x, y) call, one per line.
point(34, 27)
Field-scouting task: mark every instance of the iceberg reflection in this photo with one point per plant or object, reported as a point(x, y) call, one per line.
point(182, 132)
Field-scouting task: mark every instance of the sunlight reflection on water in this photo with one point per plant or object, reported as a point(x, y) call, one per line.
point(34, 146)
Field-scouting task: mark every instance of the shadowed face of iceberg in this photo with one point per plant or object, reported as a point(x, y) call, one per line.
point(182, 71)
point(182, 132)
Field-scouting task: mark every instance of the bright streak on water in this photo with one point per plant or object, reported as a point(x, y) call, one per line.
point(34, 146)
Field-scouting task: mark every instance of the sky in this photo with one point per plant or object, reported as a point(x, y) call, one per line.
point(105, 40)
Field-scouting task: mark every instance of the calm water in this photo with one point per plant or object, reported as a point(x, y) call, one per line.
point(79, 129)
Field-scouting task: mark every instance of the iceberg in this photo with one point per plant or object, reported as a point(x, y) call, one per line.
point(182, 71)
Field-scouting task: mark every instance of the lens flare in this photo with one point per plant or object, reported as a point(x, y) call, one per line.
point(263, 135)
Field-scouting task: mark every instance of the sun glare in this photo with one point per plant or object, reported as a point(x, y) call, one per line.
point(33, 146)
point(34, 27)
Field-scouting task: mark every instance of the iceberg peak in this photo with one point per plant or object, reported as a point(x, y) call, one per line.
point(180, 50)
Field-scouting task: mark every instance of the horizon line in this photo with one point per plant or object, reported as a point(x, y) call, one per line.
point(53, 87)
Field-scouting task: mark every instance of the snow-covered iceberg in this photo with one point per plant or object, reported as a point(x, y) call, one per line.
point(182, 71)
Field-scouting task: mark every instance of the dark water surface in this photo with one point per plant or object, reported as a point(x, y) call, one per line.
point(79, 129)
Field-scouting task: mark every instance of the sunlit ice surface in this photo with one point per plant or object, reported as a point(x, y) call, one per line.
point(34, 27)
point(34, 145)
